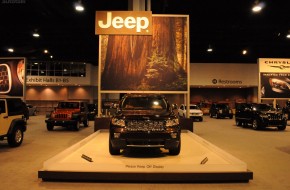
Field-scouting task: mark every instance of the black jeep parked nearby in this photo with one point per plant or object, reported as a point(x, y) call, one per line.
point(220, 110)
point(259, 116)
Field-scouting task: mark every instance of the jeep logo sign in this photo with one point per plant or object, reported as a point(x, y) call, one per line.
point(124, 22)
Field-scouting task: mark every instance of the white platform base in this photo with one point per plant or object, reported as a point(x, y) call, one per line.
point(198, 160)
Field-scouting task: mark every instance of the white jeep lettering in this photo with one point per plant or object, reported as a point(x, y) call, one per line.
point(109, 19)
point(117, 22)
point(140, 23)
point(140, 26)
point(130, 22)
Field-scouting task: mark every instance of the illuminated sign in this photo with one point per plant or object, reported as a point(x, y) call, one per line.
point(123, 22)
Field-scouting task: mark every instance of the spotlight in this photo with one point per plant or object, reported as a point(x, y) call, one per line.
point(258, 6)
point(288, 35)
point(36, 35)
point(209, 49)
point(79, 6)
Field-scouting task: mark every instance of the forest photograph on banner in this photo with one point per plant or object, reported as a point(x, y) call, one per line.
point(157, 62)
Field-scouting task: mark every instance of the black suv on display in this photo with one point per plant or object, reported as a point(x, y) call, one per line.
point(260, 116)
point(144, 120)
point(220, 110)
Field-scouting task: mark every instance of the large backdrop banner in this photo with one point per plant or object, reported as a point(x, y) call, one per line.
point(12, 76)
point(157, 62)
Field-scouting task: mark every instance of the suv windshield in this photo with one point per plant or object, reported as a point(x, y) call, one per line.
point(69, 105)
point(143, 103)
point(262, 107)
point(222, 106)
point(193, 107)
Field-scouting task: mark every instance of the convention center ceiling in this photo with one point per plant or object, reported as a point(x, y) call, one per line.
point(235, 33)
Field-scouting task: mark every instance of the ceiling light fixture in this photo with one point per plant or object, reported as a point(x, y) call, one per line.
point(258, 6)
point(209, 49)
point(36, 35)
point(288, 35)
point(244, 52)
point(79, 6)
point(11, 50)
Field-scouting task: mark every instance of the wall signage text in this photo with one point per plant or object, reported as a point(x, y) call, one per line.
point(47, 80)
point(222, 81)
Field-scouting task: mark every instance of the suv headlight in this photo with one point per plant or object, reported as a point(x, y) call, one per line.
point(172, 122)
point(264, 116)
point(118, 122)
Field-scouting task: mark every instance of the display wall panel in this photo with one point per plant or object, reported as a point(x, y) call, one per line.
point(12, 76)
point(147, 63)
point(274, 78)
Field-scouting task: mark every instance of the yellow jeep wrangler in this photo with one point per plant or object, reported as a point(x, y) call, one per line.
point(12, 121)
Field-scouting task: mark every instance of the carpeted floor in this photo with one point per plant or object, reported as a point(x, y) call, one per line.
point(266, 152)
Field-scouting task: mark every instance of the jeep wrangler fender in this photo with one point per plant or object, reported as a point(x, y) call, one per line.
point(17, 122)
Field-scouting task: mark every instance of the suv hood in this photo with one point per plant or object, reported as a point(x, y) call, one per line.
point(270, 112)
point(66, 110)
point(150, 113)
point(195, 111)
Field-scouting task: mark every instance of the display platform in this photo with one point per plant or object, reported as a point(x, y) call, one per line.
point(198, 161)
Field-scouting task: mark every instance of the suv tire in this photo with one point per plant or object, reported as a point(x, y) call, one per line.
point(16, 137)
point(86, 122)
point(49, 127)
point(113, 151)
point(175, 151)
point(77, 126)
point(255, 124)
point(238, 123)
point(281, 127)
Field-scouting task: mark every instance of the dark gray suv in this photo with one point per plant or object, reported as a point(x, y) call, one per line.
point(260, 116)
point(220, 110)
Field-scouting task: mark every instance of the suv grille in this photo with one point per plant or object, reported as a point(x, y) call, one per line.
point(275, 117)
point(61, 116)
point(145, 125)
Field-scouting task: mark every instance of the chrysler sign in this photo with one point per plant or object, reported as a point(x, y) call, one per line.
point(124, 22)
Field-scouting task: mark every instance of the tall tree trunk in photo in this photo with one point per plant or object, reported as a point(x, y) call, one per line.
point(164, 41)
point(181, 41)
point(125, 63)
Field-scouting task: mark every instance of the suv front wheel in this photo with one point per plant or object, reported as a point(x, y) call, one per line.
point(112, 150)
point(49, 127)
point(175, 151)
point(255, 124)
point(281, 127)
point(16, 137)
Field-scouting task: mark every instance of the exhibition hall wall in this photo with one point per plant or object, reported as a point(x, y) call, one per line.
point(202, 88)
